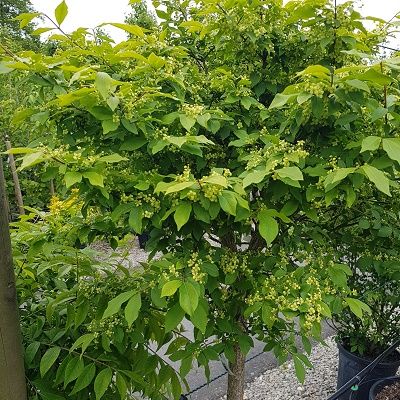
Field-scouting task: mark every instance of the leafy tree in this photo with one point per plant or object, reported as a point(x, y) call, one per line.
point(238, 135)
point(141, 15)
point(10, 27)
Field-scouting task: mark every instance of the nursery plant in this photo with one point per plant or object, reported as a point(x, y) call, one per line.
point(237, 135)
point(370, 248)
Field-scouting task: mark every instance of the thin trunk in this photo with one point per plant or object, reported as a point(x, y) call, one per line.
point(236, 379)
point(12, 373)
point(52, 188)
point(3, 179)
point(17, 187)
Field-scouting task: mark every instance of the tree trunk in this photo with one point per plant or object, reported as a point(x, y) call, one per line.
point(12, 373)
point(236, 379)
point(17, 187)
point(52, 188)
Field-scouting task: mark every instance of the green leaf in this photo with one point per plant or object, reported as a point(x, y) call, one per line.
point(155, 61)
point(182, 214)
point(358, 85)
point(188, 298)
point(339, 174)
point(115, 304)
point(203, 120)
point(173, 317)
point(48, 359)
point(133, 143)
point(4, 69)
point(74, 369)
point(85, 379)
point(338, 276)
point(375, 76)
point(267, 316)
point(255, 176)
point(104, 84)
point(187, 122)
point(132, 29)
point(136, 219)
point(378, 113)
point(281, 99)
point(31, 351)
point(132, 309)
point(170, 288)
point(109, 126)
point(392, 148)
point(120, 210)
point(299, 369)
point(357, 307)
point(40, 31)
point(83, 341)
point(177, 187)
point(94, 178)
point(371, 143)
point(325, 310)
point(293, 173)
point(121, 386)
point(32, 159)
point(228, 202)
point(112, 158)
point(268, 226)
point(200, 319)
point(61, 12)
point(102, 382)
point(113, 102)
point(216, 180)
point(71, 178)
point(378, 178)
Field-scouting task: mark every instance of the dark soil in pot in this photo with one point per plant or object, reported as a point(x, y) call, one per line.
point(387, 389)
point(351, 364)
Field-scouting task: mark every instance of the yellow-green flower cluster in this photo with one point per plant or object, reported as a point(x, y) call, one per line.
point(172, 272)
point(192, 110)
point(232, 263)
point(185, 176)
point(194, 264)
point(150, 201)
point(302, 296)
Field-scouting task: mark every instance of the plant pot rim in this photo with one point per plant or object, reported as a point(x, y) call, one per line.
point(389, 378)
point(358, 358)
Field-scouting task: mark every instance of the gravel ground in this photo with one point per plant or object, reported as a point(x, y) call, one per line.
point(130, 255)
point(281, 383)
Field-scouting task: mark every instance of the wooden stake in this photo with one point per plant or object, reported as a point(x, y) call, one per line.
point(12, 373)
point(3, 179)
point(17, 187)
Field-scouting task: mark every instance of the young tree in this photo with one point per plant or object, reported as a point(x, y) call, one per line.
point(238, 135)
point(12, 374)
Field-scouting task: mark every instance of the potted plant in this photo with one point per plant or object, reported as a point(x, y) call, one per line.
point(386, 389)
point(370, 249)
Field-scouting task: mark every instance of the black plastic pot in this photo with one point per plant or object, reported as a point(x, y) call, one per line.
point(350, 365)
point(378, 386)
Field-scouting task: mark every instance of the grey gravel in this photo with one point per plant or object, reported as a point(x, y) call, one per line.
point(130, 255)
point(281, 383)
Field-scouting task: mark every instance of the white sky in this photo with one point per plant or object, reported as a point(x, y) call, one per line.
point(89, 13)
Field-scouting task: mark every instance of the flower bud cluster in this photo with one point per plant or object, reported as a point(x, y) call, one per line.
point(194, 264)
point(232, 263)
point(192, 110)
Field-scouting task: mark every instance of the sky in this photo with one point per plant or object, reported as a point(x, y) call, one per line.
point(90, 13)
